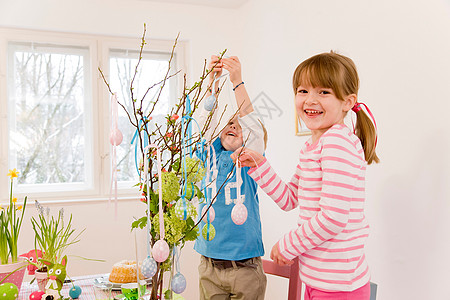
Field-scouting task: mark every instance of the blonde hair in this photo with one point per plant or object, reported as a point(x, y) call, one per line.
point(338, 72)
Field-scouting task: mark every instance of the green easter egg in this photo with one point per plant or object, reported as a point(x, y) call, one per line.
point(190, 191)
point(8, 291)
point(212, 232)
point(179, 209)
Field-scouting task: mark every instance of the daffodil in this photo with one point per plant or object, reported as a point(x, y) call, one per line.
point(13, 173)
point(10, 224)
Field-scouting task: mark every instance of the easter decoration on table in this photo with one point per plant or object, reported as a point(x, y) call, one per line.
point(37, 295)
point(8, 291)
point(168, 171)
point(57, 275)
point(239, 212)
point(115, 139)
point(75, 292)
point(32, 256)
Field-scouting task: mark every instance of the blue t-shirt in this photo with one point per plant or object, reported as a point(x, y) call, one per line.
point(232, 242)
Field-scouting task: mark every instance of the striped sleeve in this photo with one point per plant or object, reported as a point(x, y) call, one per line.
point(284, 195)
point(341, 164)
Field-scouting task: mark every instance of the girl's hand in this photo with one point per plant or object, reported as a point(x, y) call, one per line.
point(216, 66)
point(233, 65)
point(247, 157)
point(278, 258)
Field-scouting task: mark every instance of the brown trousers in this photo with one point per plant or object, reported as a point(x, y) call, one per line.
point(241, 281)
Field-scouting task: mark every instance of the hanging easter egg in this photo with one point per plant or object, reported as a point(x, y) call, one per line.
point(36, 295)
point(190, 191)
point(183, 212)
point(239, 214)
point(211, 212)
point(116, 137)
point(212, 232)
point(9, 291)
point(210, 103)
point(178, 283)
point(149, 267)
point(75, 292)
point(160, 251)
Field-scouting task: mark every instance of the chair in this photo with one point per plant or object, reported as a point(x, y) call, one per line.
point(291, 272)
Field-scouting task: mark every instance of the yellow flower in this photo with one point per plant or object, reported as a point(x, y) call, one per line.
point(14, 200)
point(19, 207)
point(1, 207)
point(13, 173)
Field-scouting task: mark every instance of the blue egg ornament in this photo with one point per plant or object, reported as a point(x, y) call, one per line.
point(210, 103)
point(149, 267)
point(178, 283)
point(75, 292)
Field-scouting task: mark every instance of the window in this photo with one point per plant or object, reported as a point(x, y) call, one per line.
point(55, 109)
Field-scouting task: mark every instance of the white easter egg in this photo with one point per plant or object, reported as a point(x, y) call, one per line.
point(178, 283)
point(149, 267)
point(160, 251)
point(239, 214)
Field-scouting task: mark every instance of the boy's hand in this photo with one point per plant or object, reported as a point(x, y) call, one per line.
point(247, 157)
point(278, 258)
point(216, 66)
point(233, 65)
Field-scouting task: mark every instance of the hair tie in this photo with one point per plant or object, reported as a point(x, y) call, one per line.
point(357, 107)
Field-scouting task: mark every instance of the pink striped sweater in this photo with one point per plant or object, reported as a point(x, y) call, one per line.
point(328, 187)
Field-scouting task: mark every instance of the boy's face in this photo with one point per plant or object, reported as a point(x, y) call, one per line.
point(231, 135)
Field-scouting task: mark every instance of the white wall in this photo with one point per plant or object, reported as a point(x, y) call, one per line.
point(402, 51)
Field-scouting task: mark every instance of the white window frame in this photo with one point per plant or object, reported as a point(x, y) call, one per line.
point(99, 47)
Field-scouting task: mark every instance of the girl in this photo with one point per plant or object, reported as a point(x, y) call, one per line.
point(328, 185)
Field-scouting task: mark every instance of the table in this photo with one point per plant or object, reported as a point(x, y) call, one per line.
point(86, 283)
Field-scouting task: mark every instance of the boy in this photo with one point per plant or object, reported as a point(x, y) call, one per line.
point(231, 264)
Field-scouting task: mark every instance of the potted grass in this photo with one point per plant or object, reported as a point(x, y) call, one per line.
point(52, 237)
point(12, 267)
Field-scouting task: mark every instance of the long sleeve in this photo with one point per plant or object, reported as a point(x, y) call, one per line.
point(329, 189)
point(284, 194)
point(252, 132)
point(340, 171)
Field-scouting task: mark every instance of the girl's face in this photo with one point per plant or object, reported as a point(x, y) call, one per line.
point(231, 135)
point(320, 109)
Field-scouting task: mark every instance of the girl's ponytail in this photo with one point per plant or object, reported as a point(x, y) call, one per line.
point(366, 132)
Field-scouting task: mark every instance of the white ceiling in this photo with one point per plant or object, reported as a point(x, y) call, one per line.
point(213, 3)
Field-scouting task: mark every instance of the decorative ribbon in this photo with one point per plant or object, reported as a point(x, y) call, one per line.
point(184, 148)
point(147, 180)
point(357, 107)
point(135, 139)
point(211, 175)
point(115, 139)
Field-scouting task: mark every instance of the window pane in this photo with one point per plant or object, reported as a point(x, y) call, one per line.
point(48, 114)
point(152, 70)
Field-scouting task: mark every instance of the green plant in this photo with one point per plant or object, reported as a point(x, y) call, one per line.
point(52, 236)
point(10, 223)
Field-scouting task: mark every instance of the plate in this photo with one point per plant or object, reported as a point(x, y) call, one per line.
point(115, 286)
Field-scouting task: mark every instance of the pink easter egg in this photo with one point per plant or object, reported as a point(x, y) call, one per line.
point(36, 295)
point(116, 137)
point(160, 251)
point(211, 212)
point(239, 214)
